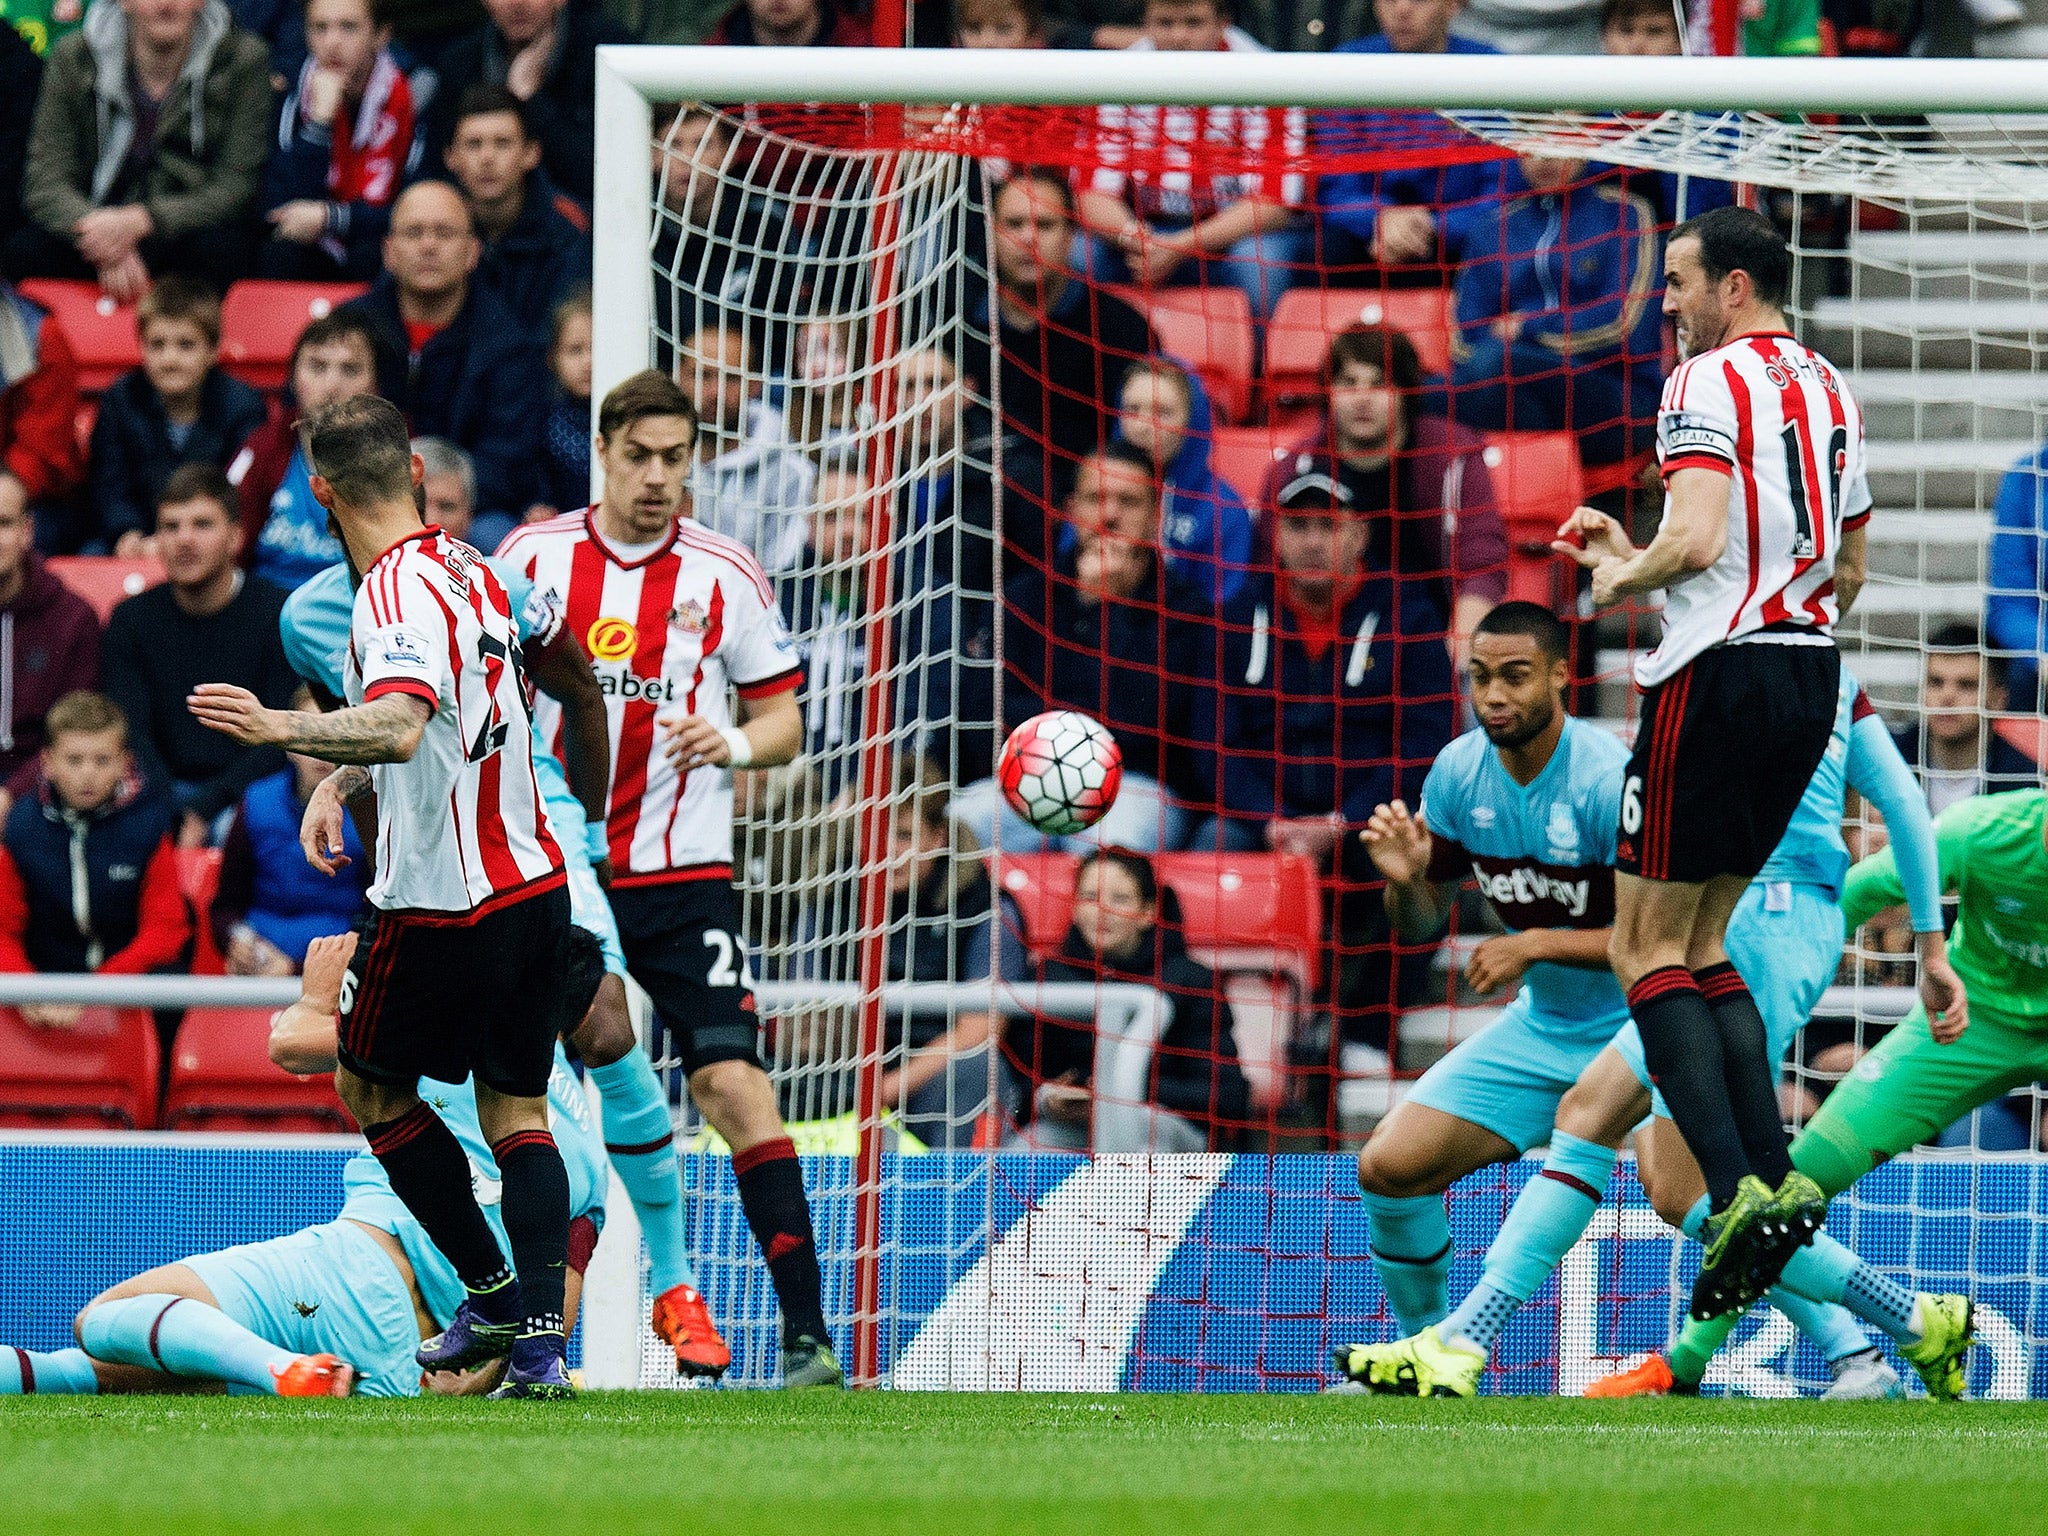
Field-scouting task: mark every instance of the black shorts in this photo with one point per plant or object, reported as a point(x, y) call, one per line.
point(683, 944)
point(1724, 753)
point(428, 998)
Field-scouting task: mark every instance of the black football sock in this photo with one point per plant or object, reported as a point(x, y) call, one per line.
point(771, 1184)
point(1749, 1072)
point(1682, 1046)
point(430, 1173)
point(536, 1212)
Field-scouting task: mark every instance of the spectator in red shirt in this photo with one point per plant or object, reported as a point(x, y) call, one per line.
point(791, 24)
point(38, 411)
point(88, 876)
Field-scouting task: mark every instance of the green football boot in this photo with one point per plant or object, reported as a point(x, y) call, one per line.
point(1945, 1338)
point(1421, 1365)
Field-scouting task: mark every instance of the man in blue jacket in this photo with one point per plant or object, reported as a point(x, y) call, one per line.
point(1557, 310)
point(1415, 214)
point(450, 355)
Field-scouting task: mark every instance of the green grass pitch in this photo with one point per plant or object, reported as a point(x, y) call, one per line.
point(733, 1464)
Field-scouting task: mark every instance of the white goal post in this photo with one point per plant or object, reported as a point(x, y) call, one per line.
point(1916, 192)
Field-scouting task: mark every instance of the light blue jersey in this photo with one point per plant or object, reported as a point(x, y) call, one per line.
point(1812, 851)
point(1543, 854)
point(367, 1195)
point(315, 628)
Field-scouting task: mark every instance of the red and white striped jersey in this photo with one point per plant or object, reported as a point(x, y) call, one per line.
point(459, 827)
point(669, 634)
point(1775, 417)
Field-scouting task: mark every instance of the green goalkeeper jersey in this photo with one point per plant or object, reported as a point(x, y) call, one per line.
point(1994, 859)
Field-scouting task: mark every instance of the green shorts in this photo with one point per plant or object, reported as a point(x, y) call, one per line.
point(1909, 1090)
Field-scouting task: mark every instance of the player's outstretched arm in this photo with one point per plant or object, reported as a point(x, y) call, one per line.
point(1399, 845)
point(385, 730)
point(304, 1037)
point(1500, 961)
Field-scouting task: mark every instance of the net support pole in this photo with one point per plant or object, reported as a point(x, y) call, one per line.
point(877, 776)
point(621, 236)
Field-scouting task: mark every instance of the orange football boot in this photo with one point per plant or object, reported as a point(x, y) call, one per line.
point(684, 1324)
point(316, 1376)
point(1652, 1378)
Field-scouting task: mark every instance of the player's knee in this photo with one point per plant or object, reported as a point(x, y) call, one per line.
point(1387, 1173)
point(737, 1098)
point(372, 1103)
point(606, 1033)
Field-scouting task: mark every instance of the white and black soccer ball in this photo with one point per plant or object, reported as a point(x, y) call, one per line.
point(1060, 771)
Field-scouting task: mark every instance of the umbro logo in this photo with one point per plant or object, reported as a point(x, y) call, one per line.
point(1483, 816)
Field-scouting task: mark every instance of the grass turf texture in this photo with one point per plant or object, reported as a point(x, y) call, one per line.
point(732, 1463)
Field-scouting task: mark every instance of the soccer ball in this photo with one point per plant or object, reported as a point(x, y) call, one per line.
point(1060, 771)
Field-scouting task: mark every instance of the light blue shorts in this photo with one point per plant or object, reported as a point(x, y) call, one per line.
point(1508, 1078)
point(325, 1290)
point(588, 908)
point(1786, 940)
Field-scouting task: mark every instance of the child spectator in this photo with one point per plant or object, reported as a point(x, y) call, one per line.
point(1414, 214)
point(207, 623)
point(346, 141)
point(285, 537)
point(88, 877)
point(148, 148)
point(272, 904)
point(1127, 928)
point(1022, 24)
point(49, 643)
point(1166, 227)
point(536, 240)
point(1205, 533)
point(177, 408)
point(38, 412)
point(565, 441)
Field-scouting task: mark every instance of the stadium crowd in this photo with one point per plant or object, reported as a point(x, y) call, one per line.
point(1275, 654)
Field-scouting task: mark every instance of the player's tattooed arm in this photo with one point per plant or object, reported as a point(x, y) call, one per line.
point(385, 730)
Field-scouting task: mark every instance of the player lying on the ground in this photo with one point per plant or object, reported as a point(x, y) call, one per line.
point(1925, 1076)
point(331, 1310)
point(1528, 804)
point(638, 1124)
point(1786, 937)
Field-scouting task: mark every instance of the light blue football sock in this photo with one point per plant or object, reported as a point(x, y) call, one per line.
point(1410, 1242)
point(1696, 1219)
point(1548, 1216)
point(184, 1337)
point(639, 1137)
point(1827, 1271)
point(1832, 1329)
point(64, 1373)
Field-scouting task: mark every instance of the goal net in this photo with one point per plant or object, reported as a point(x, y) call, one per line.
point(913, 300)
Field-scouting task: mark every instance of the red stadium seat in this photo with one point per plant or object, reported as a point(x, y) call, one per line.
point(199, 883)
point(102, 1075)
point(1243, 455)
point(1537, 481)
point(1209, 329)
point(222, 1078)
point(1298, 335)
point(103, 580)
point(1254, 918)
point(260, 324)
point(102, 333)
